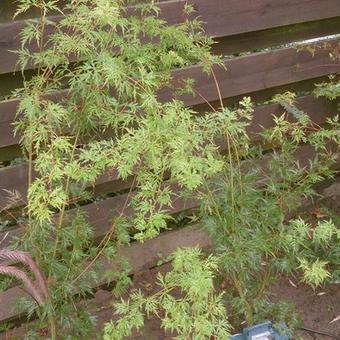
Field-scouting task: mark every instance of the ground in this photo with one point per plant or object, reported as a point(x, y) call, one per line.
point(317, 308)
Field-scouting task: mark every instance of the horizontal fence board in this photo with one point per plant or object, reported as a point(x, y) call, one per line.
point(229, 17)
point(9, 153)
point(15, 179)
point(102, 213)
point(140, 256)
point(221, 18)
point(8, 115)
point(302, 88)
point(274, 37)
point(255, 72)
point(230, 45)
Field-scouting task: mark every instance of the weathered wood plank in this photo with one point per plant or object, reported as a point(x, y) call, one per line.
point(221, 18)
point(14, 179)
point(229, 45)
point(8, 111)
point(140, 256)
point(256, 72)
point(269, 38)
point(234, 17)
point(244, 75)
point(102, 213)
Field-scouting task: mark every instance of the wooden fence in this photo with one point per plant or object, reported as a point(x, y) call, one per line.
point(237, 26)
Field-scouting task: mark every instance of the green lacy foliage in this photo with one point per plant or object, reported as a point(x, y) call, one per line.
point(197, 314)
point(126, 61)
point(245, 210)
point(114, 61)
point(112, 69)
point(330, 90)
point(63, 261)
point(315, 249)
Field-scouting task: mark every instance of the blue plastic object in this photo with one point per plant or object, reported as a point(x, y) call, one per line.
point(263, 331)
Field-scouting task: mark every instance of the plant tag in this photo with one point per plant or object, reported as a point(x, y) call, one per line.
point(263, 336)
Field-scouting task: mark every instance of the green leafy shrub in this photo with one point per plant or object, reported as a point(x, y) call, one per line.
point(330, 89)
point(198, 313)
point(249, 212)
point(110, 119)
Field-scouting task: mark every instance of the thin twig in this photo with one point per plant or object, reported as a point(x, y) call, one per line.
point(310, 330)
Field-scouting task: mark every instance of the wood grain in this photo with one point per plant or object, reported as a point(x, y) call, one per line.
point(246, 74)
point(14, 179)
point(221, 18)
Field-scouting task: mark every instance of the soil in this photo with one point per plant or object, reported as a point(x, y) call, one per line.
point(317, 308)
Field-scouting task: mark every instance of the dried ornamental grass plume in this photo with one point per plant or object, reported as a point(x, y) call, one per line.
point(38, 290)
point(20, 275)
